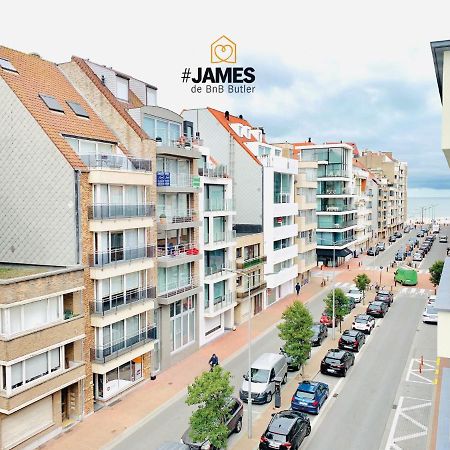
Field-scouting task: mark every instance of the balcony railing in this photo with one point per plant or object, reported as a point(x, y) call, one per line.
point(116, 348)
point(107, 161)
point(176, 216)
point(282, 197)
point(100, 211)
point(242, 292)
point(215, 172)
point(174, 179)
point(182, 142)
point(100, 259)
point(222, 236)
point(221, 302)
point(173, 251)
point(334, 191)
point(345, 224)
point(336, 208)
point(246, 264)
point(219, 204)
point(218, 269)
point(175, 288)
point(335, 242)
point(118, 301)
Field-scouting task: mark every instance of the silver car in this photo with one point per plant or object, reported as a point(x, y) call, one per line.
point(430, 314)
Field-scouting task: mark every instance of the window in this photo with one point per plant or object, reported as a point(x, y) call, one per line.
point(78, 109)
point(122, 88)
point(151, 96)
point(5, 64)
point(182, 322)
point(51, 103)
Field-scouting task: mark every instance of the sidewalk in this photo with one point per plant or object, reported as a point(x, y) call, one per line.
point(105, 425)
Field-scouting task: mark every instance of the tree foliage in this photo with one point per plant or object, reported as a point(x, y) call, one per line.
point(211, 392)
point(436, 272)
point(341, 304)
point(362, 281)
point(295, 330)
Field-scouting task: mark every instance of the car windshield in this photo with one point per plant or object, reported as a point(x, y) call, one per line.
point(303, 394)
point(361, 320)
point(259, 375)
point(431, 310)
point(329, 360)
point(276, 437)
point(348, 338)
point(354, 291)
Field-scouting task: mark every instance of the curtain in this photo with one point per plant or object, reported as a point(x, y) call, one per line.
point(16, 374)
point(55, 359)
point(35, 314)
point(36, 366)
point(15, 319)
point(53, 309)
point(131, 195)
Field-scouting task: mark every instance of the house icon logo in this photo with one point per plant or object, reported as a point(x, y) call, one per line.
point(223, 50)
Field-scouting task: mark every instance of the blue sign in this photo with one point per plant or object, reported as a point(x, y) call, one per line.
point(162, 178)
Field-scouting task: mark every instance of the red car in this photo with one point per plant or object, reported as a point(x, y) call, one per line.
point(327, 320)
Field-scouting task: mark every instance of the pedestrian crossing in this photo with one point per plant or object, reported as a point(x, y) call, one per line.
point(420, 271)
point(404, 290)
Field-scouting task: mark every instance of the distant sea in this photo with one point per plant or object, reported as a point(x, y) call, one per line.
point(441, 208)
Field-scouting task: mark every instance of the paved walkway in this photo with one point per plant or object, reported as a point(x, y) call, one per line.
point(101, 428)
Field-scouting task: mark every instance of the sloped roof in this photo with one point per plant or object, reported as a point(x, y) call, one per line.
point(37, 76)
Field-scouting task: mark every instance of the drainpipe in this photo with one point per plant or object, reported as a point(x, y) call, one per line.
point(78, 215)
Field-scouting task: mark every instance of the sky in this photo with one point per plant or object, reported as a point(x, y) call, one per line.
point(350, 70)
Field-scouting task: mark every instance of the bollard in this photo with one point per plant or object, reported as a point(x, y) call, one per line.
point(348, 266)
point(387, 268)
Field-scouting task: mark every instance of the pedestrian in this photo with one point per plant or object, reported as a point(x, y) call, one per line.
point(297, 288)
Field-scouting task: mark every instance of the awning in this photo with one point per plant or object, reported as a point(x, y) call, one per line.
point(341, 253)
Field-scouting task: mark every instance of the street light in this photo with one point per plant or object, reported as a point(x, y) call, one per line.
point(381, 271)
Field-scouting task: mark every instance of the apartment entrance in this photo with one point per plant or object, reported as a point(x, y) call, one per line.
point(257, 304)
point(69, 406)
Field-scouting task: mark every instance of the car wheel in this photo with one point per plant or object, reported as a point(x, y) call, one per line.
point(238, 427)
point(345, 373)
point(308, 430)
point(318, 409)
point(269, 397)
point(284, 379)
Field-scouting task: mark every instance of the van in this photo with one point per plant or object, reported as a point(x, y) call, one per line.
point(406, 276)
point(263, 373)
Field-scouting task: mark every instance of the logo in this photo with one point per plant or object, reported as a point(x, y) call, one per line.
point(223, 50)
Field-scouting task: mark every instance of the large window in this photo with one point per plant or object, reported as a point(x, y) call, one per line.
point(282, 187)
point(214, 261)
point(282, 243)
point(119, 195)
point(173, 278)
point(214, 197)
point(182, 322)
point(168, 132)
point(122, 88)
point(29, 316)
point(86, 147)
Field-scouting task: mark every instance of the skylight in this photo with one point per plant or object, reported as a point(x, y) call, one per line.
point(5, 64)
point(78, 109)
point(51, 103)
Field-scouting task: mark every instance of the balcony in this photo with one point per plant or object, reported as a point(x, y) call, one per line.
point(242, 291)
point(337, 190)
point(118, 347)
point(177, 290)
point(220, 239)
point(282, 197)
point(101, 259)
point(101, 211)
point(174, 181)
point(335, 208)
point(221, 204)
point(332, 171)
point(322, 224)
point(251, 262)
point(172, 255)
point(217, 270)
point(181, 147)
point(119, 301)
point(216, 172)
point(220, 304)
point(280, 163)
point(115, 162)
point(173, 218)
point(330, 242)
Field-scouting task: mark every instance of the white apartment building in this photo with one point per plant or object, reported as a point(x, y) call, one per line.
point(263, 190)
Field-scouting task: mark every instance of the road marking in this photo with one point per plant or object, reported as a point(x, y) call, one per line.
point(422, 291)
point(415, 375)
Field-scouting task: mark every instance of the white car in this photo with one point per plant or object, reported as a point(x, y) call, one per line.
point(355, 294)
point(363, 322)
point(417, 256)
point(431, 300)
point(429, 314)
point(443, 238)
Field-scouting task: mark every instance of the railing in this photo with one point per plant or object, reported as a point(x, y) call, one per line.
point(110, 211)
point(221, 302)
point(176, 216)
point(332, 170)
point(334, 191)
point(223, 236)
point(179, 287)
point(251, 262)
point(242, 292)
point(182, 142)
point(218, 268)
point(278, 161)
point(174, 179)
point(178, 250)
point(282, 197)
point(107, 161)
point(100, 259)
point(216, 172)
point(117, 301)
point(336, 208)
point(336, 242)
point(220, 204)
point(116, 348)
point(344, 224)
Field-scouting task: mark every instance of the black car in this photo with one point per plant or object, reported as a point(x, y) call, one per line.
point(400, 255)
point(320, 333)
point(398, 234)
point(377, 309)
point(286, 430)
point(373, 251)
point(337, 362)
point(420, 234)
point(384, 296)
point(352, 340)
point(381, 246)
point(392, 238)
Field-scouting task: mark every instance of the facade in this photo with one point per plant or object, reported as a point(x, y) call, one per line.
point(218, 246)
point(336, 208)
point(250, 260)
point(363, 230)
point(383, 164)
point(263, 190)
point(42, 334)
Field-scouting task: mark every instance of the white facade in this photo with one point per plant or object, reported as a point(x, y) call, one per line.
point(363, 230)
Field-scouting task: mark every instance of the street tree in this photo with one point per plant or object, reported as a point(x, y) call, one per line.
point(295, 331)
point(211, 392)
point(341, 305)
point(436, 272)
point(362, 281)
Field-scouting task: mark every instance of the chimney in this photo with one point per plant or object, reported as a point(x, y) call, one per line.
point(262, 130)
point(227, 115)
point(309, 139)
point(241, 116)
point(103, 80)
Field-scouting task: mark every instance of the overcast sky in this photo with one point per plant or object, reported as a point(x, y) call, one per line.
point(352, 70)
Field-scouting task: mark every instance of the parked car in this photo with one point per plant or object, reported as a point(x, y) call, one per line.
point(417, 256)
point(431, 300)
point(381, 246)
point(286, 430)
point(420, 234)
point(234, 425)
point(337, 362)
point(352, 340)
point(384, 296)
point(407, 229)
point(392, 238)
point(400, 255)
point(398, 234)
point(377, 309)
point(310, 396)
point(443, 238)
point(289, 361)
point(350, 305)
point(327, 320)
point(373, 251)
point(363, 322)
point(429, 314)
point(320, 333)
point(355, 294)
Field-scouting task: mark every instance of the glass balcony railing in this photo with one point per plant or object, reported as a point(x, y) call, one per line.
point(332, 170)
point(329, 241)
point(115, 302)
point(247, 263)
point(168, 215)
point(214, 172)
point(177, 287)
point(335, 225)
point(104, 353)
point(335, 207)
point(174, 179)
point(219, 204)
point(222, 236)
point(108, 161)
point(100, 211)
point(214, 269)
point(221, 303)
point(117, 255)
point(178, 250)
point(282, 197)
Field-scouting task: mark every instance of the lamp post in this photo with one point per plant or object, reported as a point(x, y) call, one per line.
point(381, 271)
